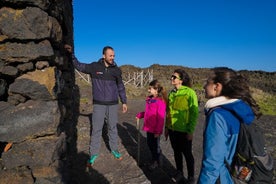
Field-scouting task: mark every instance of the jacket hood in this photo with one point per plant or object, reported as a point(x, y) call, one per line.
point(238, 107)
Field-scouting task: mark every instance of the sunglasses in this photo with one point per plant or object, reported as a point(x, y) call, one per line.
point(175, 77)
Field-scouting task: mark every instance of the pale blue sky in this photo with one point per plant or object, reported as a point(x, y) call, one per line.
point(240, 34)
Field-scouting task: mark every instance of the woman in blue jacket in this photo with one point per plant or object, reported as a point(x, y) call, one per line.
point(228, 94)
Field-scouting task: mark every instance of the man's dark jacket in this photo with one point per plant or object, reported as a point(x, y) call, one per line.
point(107, 83)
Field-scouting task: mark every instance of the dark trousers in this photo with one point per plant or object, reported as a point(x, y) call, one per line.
point(154, 146)
point(181, 145)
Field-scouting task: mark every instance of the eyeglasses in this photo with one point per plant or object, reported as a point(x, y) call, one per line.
point(173, 77)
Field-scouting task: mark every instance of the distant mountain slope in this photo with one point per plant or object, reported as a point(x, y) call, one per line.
point(266, 81)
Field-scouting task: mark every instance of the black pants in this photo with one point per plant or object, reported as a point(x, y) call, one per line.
point(181, 145)
point(154, 146)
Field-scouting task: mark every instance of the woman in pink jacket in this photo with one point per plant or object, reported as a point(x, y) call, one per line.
point(154, 118)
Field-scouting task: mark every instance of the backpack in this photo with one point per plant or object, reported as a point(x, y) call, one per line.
point(251, 162)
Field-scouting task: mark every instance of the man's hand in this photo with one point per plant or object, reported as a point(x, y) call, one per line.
point(68, 48)
point(124, 108)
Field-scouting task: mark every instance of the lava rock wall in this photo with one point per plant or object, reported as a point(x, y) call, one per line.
point(37, 90)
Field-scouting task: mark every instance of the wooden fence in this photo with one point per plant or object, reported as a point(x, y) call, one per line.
point(138, 79)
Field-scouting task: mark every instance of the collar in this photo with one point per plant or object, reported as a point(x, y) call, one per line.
point(218, 101)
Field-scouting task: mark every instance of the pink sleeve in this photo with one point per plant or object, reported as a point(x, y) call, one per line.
point(161, 116)
point(140, 115)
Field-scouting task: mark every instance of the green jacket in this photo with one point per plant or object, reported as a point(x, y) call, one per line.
point(182, 110)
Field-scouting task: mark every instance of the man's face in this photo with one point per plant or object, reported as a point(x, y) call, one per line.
point(109, 56)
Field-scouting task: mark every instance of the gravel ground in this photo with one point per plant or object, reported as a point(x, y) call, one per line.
point(109, 170)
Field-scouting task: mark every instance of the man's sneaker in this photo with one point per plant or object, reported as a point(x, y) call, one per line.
point(92, 159)
point(117, 155)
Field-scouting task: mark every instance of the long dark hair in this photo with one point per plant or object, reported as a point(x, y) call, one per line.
point(234, 85)
point(186, 80)
point(161, 92)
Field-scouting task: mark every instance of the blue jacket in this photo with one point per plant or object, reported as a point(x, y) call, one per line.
point(107, 83)
point(220, 137)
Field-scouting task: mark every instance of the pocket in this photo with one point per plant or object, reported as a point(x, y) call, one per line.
point(263, 169)
point(181, 103)
point(265, 161)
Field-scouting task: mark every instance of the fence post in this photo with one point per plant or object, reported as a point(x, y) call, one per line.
point(142, 79)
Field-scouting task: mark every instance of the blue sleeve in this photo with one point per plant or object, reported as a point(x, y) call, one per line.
point(214, 149)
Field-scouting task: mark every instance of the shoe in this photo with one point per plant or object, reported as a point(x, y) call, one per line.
point(153, 166)
point(117, 155)
point(92, 159)
point(178, 177)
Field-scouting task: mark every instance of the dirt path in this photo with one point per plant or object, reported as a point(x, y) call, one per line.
point(109, 170)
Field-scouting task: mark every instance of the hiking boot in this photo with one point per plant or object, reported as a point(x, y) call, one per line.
point(92, 159)
point(117, 155)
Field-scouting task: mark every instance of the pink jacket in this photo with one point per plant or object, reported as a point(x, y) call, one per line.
point(154, 115)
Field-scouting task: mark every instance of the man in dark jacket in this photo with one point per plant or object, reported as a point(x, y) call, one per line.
point(107, 87)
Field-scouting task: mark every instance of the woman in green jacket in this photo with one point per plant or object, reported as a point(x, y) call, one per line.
point(181, 122)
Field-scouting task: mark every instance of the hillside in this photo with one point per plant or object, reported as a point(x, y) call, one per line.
point(263, 84)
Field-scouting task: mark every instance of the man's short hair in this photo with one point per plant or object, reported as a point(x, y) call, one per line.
point(106, 48)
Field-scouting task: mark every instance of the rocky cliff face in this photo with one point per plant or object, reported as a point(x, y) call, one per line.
point(37, 92)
